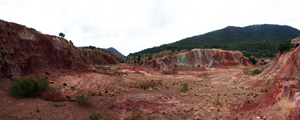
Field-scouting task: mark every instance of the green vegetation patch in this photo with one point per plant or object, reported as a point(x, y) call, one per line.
point(28, 87)
point(285, 46)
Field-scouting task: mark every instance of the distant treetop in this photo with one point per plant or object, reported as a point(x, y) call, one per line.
point(62, 35)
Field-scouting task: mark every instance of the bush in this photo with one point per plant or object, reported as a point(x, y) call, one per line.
point(62, 35)
point(256, 71)
point(144, 86)
point(95, 116)
point(245, 70)
point(28, 87)
point(285, 104)
point(185, 87)
point(137, 116)
point(83, 99)
point(253, 61)
point(285, 46)
point(43, 83)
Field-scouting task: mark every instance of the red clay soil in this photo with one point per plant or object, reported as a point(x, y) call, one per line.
point(202, 57)
point(283, 75)
point(285, 65)
point(49, 96)
point(26, 51)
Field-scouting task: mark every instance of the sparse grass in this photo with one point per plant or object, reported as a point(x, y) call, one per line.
point(255, 72)
point(285, 104)
point(28, 87)
point(137, 116)
point(95, 116)
point(185, 87)
point(83, 99)
point(159, 82)
point(144, 86)
point(218, 101)
point(245, 70)
point(54, 89)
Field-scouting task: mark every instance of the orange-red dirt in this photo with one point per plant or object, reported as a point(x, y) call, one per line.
point(217, 89)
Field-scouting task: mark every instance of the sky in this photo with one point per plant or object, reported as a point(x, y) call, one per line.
point(134, 25)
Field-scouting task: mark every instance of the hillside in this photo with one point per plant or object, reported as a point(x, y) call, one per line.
point(257, 40)
point(25, 51)
point(115, 51)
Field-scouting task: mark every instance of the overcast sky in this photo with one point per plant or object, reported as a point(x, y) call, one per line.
point(134, 25)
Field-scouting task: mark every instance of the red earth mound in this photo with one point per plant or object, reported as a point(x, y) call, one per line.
point(26, 51)
point(287, 64)
point(206, 58)
point(283, 74)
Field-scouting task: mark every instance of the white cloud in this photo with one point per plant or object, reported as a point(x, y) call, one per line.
point(133, 25)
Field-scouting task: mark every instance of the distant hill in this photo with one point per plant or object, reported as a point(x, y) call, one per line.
point(257, 40)
point(115, 51)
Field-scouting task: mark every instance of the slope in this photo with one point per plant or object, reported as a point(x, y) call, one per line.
point(115, 51)
point(25, 51)
point(256, 40)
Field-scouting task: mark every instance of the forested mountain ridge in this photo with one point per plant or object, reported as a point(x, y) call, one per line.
point(254, 40)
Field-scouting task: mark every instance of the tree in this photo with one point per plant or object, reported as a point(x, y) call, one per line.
point(253, 61)
point(62, 35)
point(150, 57)
point(285, 46)
point(71, 42)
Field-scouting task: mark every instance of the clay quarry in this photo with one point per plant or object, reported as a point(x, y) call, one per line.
point(200, 84)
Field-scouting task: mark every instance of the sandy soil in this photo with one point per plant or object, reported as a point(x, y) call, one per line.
point(212, 94)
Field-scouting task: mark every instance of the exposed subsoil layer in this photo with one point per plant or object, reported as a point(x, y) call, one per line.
point(212, 94)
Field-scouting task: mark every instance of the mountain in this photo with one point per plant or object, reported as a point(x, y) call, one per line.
point(115, 51)
point(255, 40)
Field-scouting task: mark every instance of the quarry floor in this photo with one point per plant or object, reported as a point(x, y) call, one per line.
point(212, 94)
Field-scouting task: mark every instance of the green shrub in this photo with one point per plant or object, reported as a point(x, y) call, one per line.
point(47, 73)
point(253, 61)
point(185, 87)
point(83, 99)
point(256, 71)
point(43, 83)
point(285, 46)
point(28, 87)
point(137, 116)
point(198, 65)
point(245, 70)
point(144, 86)
point(95, 116)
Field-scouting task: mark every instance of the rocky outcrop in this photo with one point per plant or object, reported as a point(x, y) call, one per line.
point(27, 51)
point(287, 64)
point(204, 58)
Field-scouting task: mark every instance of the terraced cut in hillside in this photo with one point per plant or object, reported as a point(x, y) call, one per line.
point(204, 58)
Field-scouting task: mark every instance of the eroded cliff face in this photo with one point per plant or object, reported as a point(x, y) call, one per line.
point(27, 51)
point(206, 58)
point(287, 64)
point(283, 74)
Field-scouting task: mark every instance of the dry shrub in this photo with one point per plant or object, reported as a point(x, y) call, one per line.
point(137, 116)
point(285, 104)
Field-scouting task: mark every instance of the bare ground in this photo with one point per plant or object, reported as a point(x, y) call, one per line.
point(212, 94)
